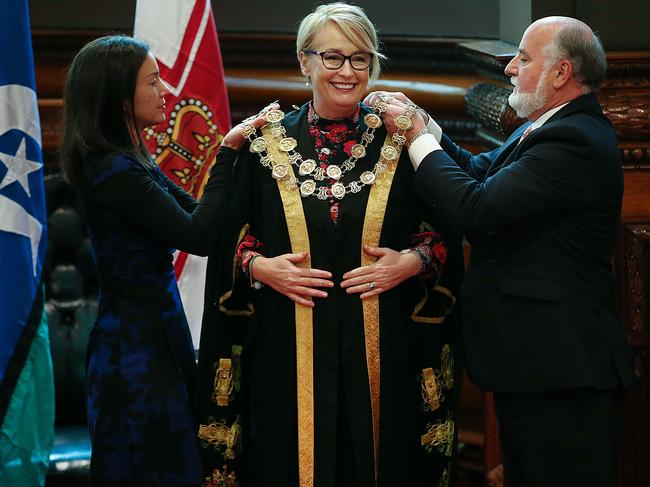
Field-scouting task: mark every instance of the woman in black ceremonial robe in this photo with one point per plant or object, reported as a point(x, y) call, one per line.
point(327, 353)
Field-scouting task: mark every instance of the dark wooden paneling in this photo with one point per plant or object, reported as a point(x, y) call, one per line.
point(635, 458)
point(262, 68)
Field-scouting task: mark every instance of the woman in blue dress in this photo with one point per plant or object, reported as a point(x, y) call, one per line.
point(140, 360)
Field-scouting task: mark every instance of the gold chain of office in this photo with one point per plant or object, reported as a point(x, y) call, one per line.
point(308, 167)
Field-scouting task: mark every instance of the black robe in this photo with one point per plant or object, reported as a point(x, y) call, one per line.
point(415, 440)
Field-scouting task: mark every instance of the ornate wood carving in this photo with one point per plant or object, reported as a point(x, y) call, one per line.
point(626, 101)
point(488, 104)
point(628, 70)
point(637, 293)
point(629, 112)
point(635, 457)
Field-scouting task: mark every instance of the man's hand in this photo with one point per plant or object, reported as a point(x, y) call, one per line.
point(389, 96)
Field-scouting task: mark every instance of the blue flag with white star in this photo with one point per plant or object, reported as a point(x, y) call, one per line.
point(26, 383)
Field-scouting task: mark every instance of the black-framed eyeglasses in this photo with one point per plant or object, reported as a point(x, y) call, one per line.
point(334, 60)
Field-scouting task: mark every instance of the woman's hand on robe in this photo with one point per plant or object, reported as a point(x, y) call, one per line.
point(235, 138)
point(297, 283)
point(391, 269)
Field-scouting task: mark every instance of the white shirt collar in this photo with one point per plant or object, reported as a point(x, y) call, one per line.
point(545, 116)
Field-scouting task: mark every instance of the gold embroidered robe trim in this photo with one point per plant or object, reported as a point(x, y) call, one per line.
point(440, 436)
point(372, 225)
point(447, 366)
point(431, 391)
point(297, 227)
point(223, 382)
point(224, 297)
point(415, 316)
point(236, 367)
point(221, 436)
point(221, 478)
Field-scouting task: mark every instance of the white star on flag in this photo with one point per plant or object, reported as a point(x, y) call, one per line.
point(18, 167)
point(14, 219)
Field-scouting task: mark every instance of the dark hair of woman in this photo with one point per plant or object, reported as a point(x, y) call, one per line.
point(98, 114)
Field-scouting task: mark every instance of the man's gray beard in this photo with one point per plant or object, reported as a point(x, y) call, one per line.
point(527, 103)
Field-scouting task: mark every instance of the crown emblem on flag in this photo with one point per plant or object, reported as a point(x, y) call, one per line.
point(186, 145)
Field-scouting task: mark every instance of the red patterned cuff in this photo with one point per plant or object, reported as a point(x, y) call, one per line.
point(431, 250)
point(246, 250)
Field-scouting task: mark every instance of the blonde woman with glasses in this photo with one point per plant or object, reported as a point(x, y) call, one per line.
point(328, 352)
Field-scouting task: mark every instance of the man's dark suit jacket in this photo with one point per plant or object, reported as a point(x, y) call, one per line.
point(541, 217)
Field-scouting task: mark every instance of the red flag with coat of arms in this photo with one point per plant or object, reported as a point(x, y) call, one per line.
point(183, 38)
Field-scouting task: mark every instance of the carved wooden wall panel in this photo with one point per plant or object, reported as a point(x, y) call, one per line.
point(635, 461)
point(624, 97)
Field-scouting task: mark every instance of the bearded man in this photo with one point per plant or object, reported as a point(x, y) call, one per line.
point(541, 213)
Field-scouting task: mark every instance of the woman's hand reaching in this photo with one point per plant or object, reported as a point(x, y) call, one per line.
point(235, 138)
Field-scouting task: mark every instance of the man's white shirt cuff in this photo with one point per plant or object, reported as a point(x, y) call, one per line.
point(434, 129)
point(422, 147)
